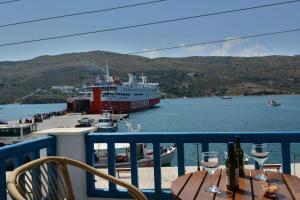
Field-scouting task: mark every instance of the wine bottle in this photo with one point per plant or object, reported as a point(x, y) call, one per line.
point(239, 153)
point(232, 170)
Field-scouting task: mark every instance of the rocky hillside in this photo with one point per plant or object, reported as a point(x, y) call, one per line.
point(190, 76)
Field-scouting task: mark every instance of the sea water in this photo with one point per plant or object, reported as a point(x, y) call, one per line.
point(22, 111)
point(211, 114)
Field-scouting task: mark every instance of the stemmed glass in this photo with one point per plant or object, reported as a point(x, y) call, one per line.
point(260, 154)
point(210, 162)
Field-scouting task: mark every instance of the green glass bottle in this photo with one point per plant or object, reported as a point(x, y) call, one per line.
point(232, 169)
point(239, 153)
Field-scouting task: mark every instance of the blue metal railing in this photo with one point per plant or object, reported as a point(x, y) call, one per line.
point(283, 138)
point(20, 151)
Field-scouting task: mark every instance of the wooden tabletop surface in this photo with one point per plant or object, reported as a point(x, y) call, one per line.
point(192, 186)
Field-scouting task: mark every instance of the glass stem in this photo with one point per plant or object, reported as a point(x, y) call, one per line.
point(261, 168)
point(211, 180)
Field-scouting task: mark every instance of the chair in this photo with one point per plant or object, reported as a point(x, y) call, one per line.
point(48, 178)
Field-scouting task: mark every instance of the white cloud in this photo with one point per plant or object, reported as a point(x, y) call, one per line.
point(256, 50)
point(151, 54)
point(232, 47)
point(193, 49)
point(241, 48)
point(227, 48)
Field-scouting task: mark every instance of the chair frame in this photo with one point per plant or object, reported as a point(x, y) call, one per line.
point(13, 178)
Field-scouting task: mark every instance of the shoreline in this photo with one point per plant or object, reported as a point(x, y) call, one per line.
point(162, 98)
point(4, 106)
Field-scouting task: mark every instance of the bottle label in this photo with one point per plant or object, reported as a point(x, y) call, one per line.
point(227, 176)
point(232, 179)
point(240, 157)
point(237, 177)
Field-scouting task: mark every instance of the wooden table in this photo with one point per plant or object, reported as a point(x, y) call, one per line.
point(192, 186)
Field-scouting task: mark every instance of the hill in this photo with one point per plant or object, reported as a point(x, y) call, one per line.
point(189, 76)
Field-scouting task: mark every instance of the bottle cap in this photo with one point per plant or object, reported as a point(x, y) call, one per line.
point(230, 148)
point(237, 139)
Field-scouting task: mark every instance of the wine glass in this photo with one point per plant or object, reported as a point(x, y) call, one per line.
point(210, 163)
point(260, 154)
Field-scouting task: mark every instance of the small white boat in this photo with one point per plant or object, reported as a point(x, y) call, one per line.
point(226, 97)
point(273, 103)
point(106, 124)
point(144, 156)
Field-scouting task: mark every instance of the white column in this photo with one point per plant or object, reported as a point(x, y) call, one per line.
point(70, 143)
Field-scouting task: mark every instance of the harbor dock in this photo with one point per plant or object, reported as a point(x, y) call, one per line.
point(69, 120)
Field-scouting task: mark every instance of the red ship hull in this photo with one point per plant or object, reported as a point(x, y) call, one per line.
point(128, 106)
point(98, 105)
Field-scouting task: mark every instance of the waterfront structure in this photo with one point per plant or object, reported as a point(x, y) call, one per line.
point(10, 134)
point(66, 89)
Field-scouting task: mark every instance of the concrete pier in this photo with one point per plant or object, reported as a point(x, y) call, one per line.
point(69, 120)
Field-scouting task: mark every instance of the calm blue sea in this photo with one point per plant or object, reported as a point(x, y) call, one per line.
point(16, 111)
point(215, 114)
point(202, 114)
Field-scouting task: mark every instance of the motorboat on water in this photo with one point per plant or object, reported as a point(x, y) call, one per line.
point(226, 97)
point(273, 103)
point(106, 123)
point(144, 155)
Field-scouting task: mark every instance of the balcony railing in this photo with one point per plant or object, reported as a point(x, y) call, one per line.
point(33, 147)
point(283, 138)
point(17, 153)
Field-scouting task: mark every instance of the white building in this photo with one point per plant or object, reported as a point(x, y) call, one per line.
point(66, 89)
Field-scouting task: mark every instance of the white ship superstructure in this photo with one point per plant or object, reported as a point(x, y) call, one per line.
point(123, 96)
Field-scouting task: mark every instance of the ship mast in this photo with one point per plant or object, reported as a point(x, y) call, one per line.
point(107, 70)
point(144, 78)
point(107, 76)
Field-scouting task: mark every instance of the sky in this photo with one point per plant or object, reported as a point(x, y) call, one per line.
point(218, 27)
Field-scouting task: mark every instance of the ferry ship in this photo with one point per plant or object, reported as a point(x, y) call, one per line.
point(117, 96)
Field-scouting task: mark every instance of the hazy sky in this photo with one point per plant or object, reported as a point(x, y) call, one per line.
point(217, 27)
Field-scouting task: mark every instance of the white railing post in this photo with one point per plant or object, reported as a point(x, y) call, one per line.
point(70, 142)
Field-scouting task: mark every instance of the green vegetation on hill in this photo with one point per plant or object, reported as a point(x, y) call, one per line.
point(190, 76)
